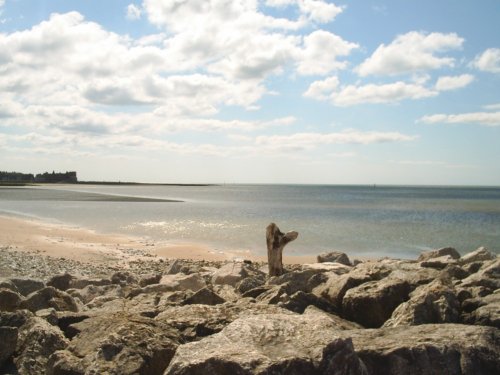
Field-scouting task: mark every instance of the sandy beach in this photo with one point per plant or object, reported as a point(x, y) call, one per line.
point(23, 234)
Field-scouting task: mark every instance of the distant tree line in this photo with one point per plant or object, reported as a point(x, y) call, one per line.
point(54, 178)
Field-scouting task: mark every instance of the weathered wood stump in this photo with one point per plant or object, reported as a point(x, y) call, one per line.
point(276, 241)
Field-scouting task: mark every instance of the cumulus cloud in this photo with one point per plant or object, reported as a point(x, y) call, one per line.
point(320, 52)
point(446, 83)
point(371, 93)
point(488, 61)
point(480, 118)
point(411, 52)
point(133, 12)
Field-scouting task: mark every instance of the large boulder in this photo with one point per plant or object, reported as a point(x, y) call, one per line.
point(335, 288)
point(92, 291)
point(428, 349)
point(299, 301)
point(372, 303)
point(479, 255)
point(335, 267)
point(36, 342)
point(204, 296)
point(9, 300)
point(439, 253)
point(432, 303)
point(488, 276)
point(117, 344)
point(270, 344)
point(334, 256)
point(439, 262)
point(232, 273)
point(49, 297)
point(197, 321)
point(181, 281)
point(297, 281)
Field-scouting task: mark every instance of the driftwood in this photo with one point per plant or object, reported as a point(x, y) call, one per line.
point(276, 241)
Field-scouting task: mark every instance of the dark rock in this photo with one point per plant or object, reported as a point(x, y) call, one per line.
point(488, 276)
point(432, 303)
point(49, 297)
point(65, 319)
point(450, 251)
point(27, 286)
point(255, 292)
point(7, 284)
point(123, 278)
point(249, 283)
point(372, 303)
point(9, 300)
point(120, 343)
point(472, 267)
point(14, 319)
point(334, 256)
point(428, 349)
point(273, 295)
point(265, 344)
point(486, 311)
point(150, 279)
point(299, 301)
point(37, 340)
point(454, 272)
point(8, 342)
point(61, 282)
point(204, 296)
point(479, 255)
point(49, 315)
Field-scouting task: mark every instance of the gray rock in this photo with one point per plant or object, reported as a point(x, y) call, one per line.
point(90, 292)
point(7, 284)
point(249, 283)
point(118, 344)
point(8, 342)
point(295, 281)
point(49, 297)
point(204, 296)
point(334, 256)
point(9, 300)
point(479, 255)
point(268, 344)
point(179, 282)
point(27, 286)
point(486, 311)
point(454, 254)
point(336, 320)
point(15, 318)
point(439, 262)
point(299, 301)
point(428, 349)
point(61, 282)
point(150, 279)
point(37, 340)
point(197, 321)
point(80, 283)
point(432, 303)
point(488, 276)
point(454, 272)
point(372, 303)
point(232, 273)
point(273, 295)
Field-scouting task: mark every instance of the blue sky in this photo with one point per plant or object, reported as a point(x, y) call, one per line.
point(241, 91)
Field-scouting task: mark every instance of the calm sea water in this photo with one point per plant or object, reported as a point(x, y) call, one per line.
point(360, 220)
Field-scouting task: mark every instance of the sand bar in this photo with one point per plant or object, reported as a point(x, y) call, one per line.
point(82, 244)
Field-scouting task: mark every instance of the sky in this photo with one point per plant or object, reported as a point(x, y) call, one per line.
point(245, 91)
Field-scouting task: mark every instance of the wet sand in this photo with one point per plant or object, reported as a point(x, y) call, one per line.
point(81, 244)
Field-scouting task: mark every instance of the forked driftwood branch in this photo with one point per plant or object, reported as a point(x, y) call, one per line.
point(276, 241)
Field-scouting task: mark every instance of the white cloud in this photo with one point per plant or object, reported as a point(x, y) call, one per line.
point(488, 61)
point(453, 82)
point(319, 11)
point(321, 90)
point(305, 141)
point(492, 107)
point(343, 96)
point(479, 118)
point(320, 52)
point(411, 52)
point(133, 12)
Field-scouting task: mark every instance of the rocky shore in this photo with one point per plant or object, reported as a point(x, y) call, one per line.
point(439, 314)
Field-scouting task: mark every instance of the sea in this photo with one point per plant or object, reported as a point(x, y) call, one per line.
point(365, 221)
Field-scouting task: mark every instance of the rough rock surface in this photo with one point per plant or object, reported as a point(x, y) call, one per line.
point(49, 297)
point(480, 255)
point(118, 344)
point(334, 256)
point(450, 251)
point(266, 344)
point(486, 311)
point(428, 349)
point(8, 341)
point(372, 303)
point(432, 303)
point(9, 300)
